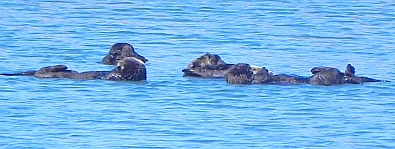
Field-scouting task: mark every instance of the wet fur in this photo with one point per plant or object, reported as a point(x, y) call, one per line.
point(207, 66)
point(128, 69)
point(242, 74)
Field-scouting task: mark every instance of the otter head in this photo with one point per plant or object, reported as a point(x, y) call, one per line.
point(350, 70)
point(241, 73)
point(129, 68)
point(262, 75)
point(257, 69)
point(351, 78)
point(207, 60)
point(119, 51)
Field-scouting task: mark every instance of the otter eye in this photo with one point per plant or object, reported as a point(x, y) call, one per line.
point(115, 54)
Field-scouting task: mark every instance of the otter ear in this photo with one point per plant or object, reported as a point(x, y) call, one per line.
point(264, 69)
point(264, 72)
point(350, 70)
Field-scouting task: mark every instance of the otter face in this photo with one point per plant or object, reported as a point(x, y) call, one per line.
point(240, 74)
point(350, 70)
point(206, 60)
point(350, 77)
point(257, 69)
point(119, 51)
point(261, 75)
point(129, 68)
point(130, 63)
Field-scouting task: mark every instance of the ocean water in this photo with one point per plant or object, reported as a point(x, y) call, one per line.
point(172, 111)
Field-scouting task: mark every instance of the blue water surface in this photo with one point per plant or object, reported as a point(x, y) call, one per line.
point(172, 111)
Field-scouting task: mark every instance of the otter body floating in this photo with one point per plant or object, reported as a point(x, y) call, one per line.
point(128, 69)
point(242, 74)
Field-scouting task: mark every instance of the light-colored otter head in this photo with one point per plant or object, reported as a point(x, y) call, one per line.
point(129, 68)
point(130, 63)
point(257, 69)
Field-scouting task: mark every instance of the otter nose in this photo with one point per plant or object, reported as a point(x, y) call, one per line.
point(142, 58)
point(119, 68)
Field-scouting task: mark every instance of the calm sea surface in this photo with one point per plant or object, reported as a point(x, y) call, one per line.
point(172, 111)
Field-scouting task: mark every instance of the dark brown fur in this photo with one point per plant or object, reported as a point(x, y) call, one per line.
point(119, 51)
point(128, 69)
point(207, 66)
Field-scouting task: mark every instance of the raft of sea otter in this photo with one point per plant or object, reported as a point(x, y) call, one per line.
point(131, 67)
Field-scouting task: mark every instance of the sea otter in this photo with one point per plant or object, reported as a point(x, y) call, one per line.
point(330, 76)
point(210, 66)
point(119, 51)
point(242, 74)
point(128, 69)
